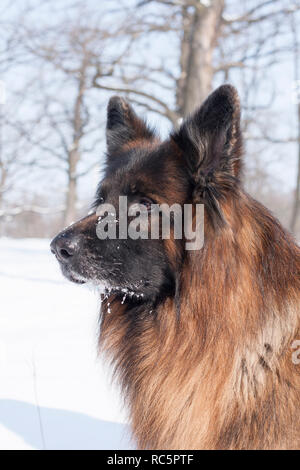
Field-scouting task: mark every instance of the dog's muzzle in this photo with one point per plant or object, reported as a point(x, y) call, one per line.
point(65, 246)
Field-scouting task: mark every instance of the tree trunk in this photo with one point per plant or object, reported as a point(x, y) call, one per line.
point(74, 153)
point(200, 32)
point(296, 204)
point(71, 197)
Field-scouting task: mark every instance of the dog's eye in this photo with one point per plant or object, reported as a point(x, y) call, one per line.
point(146, 202)
point(100, 200)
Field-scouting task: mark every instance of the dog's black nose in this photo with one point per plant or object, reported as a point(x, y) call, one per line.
point(65, 246)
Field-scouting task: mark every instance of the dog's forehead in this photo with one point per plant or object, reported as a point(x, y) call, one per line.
point(154, 171)
point(131, 157)
point(136, 164)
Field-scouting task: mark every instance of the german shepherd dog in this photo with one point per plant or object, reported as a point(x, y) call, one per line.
point(206, 347)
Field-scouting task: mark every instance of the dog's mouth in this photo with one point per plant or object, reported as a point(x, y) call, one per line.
point(76, 280)
point(132, 291)
point(73, 276)
point(125, 293)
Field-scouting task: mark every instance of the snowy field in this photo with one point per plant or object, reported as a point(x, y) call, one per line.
point(54, 391)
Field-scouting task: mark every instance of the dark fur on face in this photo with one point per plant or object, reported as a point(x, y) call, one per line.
point(197, 164)
point(201, 340)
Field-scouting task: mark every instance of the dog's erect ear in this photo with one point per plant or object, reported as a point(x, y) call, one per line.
point(123, 125)
point(211, 137)
point(211, 142)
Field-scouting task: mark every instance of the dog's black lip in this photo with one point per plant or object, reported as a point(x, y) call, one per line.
point(76, 281)
point(71, 277)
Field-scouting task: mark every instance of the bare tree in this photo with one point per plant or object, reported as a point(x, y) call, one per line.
point(210, 41)
point(164, 55)
point(66, 103)
point(12, 146)
point(201, 28)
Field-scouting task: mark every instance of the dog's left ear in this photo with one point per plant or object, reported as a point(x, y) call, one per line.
point(123, 125)
point(211, 143)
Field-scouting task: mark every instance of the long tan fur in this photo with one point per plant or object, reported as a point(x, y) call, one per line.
point(223, 378)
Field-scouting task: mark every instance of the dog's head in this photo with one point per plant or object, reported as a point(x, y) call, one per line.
point(199, 163)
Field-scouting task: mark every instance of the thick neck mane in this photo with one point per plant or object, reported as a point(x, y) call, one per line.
point(223, 376)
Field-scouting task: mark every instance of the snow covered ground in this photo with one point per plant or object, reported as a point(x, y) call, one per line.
point(54, 391)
